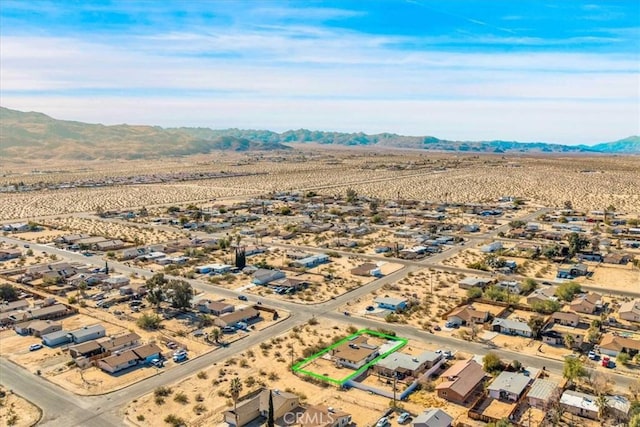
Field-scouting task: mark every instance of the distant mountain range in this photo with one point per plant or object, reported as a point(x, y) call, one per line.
point(38, 136)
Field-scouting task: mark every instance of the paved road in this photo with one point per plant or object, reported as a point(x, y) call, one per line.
point(63, 408)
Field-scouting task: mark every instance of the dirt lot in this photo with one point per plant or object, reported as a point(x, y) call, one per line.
point(16, 411)
point(268, 365)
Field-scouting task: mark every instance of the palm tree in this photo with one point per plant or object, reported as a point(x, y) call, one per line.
point(215, 334)
point(601, 403)
point(235, 388)
point(569, 340)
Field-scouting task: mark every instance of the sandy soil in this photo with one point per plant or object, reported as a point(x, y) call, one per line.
point(17, 411)
point(463, 180)
point(268, 365)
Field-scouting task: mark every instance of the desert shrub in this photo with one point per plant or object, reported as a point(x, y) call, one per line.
point(174, 420)
point(181, 398)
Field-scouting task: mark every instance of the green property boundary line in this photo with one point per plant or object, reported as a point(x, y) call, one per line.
point(298, 367)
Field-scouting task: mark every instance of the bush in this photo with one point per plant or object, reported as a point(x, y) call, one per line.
point(174, 420)
point(162, 391)
point(149, 321)
point(202, 375)
point(181, 398)
point(313, 321)
point(140, 417)
point(474, 293)
point(491, 363)
point(199, 408)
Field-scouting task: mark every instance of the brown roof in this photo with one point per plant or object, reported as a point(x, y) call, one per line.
point(119, 359)
point(566, 315)
point(217, 305)
point(364, 269)
point(240, 315)
point(147, 350)
point(467, 313)
point(39, 325)
point(319, 416)
point(462, 377)
point(86, 347)
point(613, 342)
point(354, 350)
point(111, 342)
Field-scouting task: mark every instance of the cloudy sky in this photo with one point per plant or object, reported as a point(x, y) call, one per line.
point(528, 70)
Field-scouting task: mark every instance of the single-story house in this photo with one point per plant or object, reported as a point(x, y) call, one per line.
point(354, 354)
point(621, 259)
point(312, 261)
point(87, 333)
point(257, 404)
point(630, 310)
point(541, 295)
point(580, 404)
point(242, 315)
point(404, 365)
point(50, 312)
point(7, 254)
point(109, 245)
point(390, 303)
point(565, 318)
point(573, 271)
point(511, 327)
point(18, 227)
point(512, 287)
point(491, 247)
point(586, 303)
point(116, 343)
point(508, 386)
point(473, 282)
point(56, 338)
point(434, 417)
point(38, 328)
point(612, 345)
point(460, 381)
point(556, 335)
point(115, 282)
point(147, 352)
point(86, 349)
point(467, 315)
point(119, 361)
point(263, 276)
point(217, 308)
point(289, 284)
point(366, 270)
point(541, 392)
point(20, 304)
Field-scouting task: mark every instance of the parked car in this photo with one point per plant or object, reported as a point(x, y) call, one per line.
point(404, 417)
point(34, 347)
point(437, 328)
point(180, 357)
point(157, 363)
point(593, 355)
point(383, 422)
point(608, 363)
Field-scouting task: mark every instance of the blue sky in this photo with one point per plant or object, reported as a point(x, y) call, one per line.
point(529, 70)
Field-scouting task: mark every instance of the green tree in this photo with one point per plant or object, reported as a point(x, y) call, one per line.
point(566, 291)
point(536, 323)
point(8, 292)
point(635, 421)
point(155, 289)
point(235, 388)
point(573, 368)
point(474, 293)
point(528, 285)
point(577, 242)
point(491, 363)
point(546, 307)
point(270, 415)
point(181, 293)
point(215, 334)
point(623, 358)
point(569, 341)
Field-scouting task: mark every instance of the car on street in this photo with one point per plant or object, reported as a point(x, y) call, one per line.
point(26, 246)
point(34, 347)
point(437, 328)
point(243, 298)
